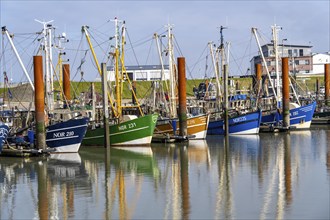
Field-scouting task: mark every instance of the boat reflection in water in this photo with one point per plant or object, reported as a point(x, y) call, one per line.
point(60, 180)
point(179, 163)
point(129, 171)
point(265, 176)
point(134, 160)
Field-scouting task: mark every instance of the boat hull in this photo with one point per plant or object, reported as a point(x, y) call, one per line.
point(300, 117)
point(196, 127)
point(243, 124)
point(137, 131)
point(66, 137)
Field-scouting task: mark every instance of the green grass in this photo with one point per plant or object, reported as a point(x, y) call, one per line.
point(143, 88)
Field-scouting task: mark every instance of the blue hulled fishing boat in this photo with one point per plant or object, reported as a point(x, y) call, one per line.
point(66, 137)
point(300, 116)
point(241, 124)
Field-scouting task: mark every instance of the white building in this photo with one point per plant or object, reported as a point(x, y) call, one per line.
point(143, 73)
point(318, 62)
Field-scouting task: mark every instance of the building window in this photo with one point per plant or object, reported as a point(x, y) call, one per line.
point(307, 62)
point(290, 52)
point(295, 52)
point(301, 52)
point(296, 62)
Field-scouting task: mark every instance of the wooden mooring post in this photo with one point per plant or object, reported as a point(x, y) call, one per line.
point(39, 102)
point(66, 81)
point(257, 84)
point(182, 97)
point(285, 92)
point(327, 83)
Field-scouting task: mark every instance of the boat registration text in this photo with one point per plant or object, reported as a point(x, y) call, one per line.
point(63, 134)
point(128, 126)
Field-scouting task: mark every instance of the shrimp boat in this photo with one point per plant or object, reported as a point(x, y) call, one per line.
point(196, 127)
point(169, 126)
point(128, 130)
point(66, 137)
point(248, 123)
point(238, 123)
point(61, 136)
point(138, 131)
point(300, 116)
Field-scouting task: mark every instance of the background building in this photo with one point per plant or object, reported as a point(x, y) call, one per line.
point(301, 59)
point(318, 62)
point(142, 73)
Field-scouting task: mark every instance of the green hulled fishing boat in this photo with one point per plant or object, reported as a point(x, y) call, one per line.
point(127, 129)
point(136, 131)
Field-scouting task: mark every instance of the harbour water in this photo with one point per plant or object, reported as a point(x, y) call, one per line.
point(265, 176)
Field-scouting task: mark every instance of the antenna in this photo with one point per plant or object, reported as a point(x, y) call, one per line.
point(45, 23)
point(221, 35)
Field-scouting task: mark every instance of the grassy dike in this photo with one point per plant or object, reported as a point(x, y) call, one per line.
point(143, 88)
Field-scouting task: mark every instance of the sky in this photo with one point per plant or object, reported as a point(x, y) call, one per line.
point(195, 23)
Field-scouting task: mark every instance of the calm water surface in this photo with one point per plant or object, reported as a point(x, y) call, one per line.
point(266, 176)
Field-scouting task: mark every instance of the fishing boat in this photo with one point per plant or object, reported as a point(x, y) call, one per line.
point(130, 130)
point(4, 130)
point(167, 125)
point(66, 137)
point(300, 116)
point(240, 121)
point(63, 135)
point(136, 131)
point(248, 123)
point(196, 127)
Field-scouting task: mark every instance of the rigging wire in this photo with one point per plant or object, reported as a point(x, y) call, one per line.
point(129, 40)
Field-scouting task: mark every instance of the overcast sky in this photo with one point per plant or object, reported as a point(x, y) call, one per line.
point(195, 24)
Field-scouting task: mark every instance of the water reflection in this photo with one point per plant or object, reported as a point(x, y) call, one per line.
point(264, 176)
point(57, 181)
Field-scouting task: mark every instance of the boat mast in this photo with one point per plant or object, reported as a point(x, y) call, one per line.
point(84, 29)
point(254, 31)
point(117, 73)
point(222, 54)
point(162, 71)
point(123, 73)
point(275, 39)
point(172, 96)
point(59, 65)
point(278, 90)
point(216, 70)
point(47, 32)
point(4, 30)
